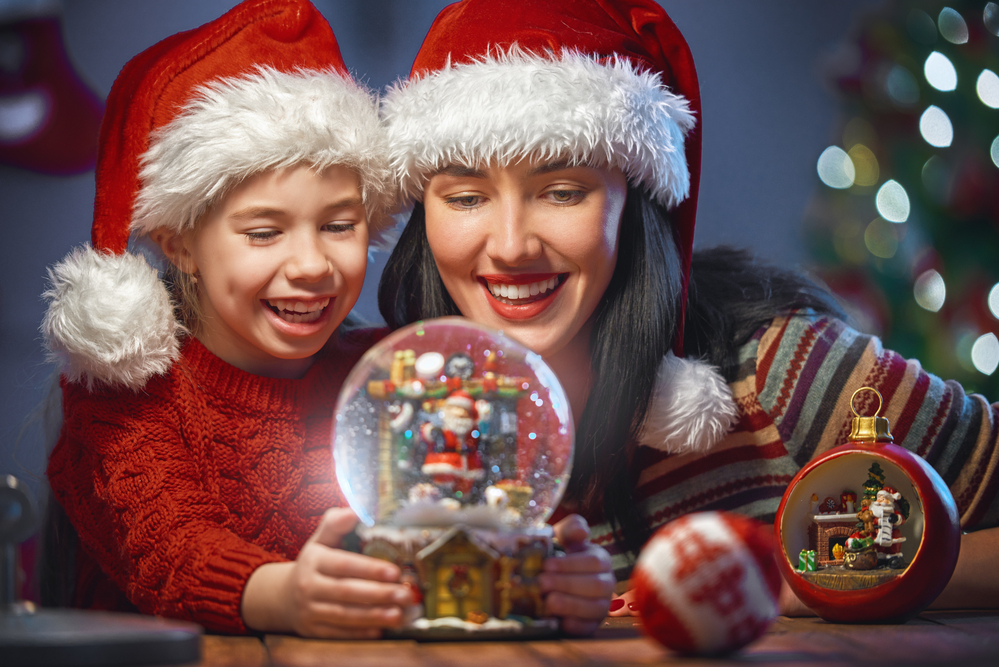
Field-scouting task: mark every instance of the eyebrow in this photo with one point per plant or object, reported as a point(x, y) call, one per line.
point(550, 167)
point(461, 171)
point(255, 212)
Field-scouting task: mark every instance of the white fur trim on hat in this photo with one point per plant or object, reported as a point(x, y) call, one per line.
point(692, 407)
point(234, 128)
point(109, 319)
point(512, 104)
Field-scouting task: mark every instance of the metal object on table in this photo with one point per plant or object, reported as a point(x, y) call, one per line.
point(30, 636)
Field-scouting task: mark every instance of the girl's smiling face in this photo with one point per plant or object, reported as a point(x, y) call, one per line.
point(528, 248)
point(279, 263)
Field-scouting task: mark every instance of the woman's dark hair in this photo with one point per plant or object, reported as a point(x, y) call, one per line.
point(730, 296)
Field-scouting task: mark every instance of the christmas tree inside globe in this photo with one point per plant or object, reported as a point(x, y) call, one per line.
point(453, 444)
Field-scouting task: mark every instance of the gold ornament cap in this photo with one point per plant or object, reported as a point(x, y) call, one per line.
point(869, 429)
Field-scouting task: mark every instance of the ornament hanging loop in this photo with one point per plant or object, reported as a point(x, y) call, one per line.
point(869, 429)
point(854, 398)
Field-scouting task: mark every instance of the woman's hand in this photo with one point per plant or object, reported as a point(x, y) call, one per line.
point(788, 603)
point(326, 592)
point(578, 585)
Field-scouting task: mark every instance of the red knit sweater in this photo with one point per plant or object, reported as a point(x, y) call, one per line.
point(180, 491)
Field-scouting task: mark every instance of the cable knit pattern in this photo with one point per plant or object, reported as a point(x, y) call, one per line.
point(178, 493)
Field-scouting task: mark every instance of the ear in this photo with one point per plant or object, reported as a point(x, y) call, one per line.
point(175, 246)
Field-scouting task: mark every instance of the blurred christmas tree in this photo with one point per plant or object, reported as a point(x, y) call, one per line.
point(906, 224)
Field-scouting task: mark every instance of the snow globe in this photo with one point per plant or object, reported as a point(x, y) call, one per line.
point(868, 532)
point(453, 445)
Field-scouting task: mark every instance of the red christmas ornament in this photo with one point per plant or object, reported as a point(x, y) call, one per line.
point(707, 583)
point(888, 557)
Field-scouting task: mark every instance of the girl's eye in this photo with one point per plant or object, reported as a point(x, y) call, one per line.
point(463, 202)
point(261, 235)
point(565, 196)
point(339, 227)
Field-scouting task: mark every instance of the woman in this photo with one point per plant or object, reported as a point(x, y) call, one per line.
point(553, 159)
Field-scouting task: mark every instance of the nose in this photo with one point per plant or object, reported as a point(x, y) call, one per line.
point(308, 260)
point(512, 239)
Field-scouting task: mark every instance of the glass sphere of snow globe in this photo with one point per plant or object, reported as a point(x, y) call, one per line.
point(446, 422)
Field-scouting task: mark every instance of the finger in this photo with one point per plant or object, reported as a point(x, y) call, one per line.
point(347, 565)
point(624, 605)
point(572, 532)
point(335, 524)
point(600, 586)
point(593, 560)
point(360, 592)
point(327, 631)
point(561, 604)
point(355, 616)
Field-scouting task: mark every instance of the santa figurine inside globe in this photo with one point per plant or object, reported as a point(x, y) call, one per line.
point(453, 444)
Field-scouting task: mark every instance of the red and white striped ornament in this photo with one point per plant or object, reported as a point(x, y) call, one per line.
point(707, 583)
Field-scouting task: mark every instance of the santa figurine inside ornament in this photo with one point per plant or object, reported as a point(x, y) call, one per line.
point(453, 444)
point(868, 532)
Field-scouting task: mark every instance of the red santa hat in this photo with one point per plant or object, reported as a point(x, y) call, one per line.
point(890, 492)
point(462, 399)
point(263, 87)
point(598, 82)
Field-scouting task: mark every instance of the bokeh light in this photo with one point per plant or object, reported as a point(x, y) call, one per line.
point(991, 18)
point(836, 168)
point(930, 291)
point(940, 72)
point(903, 89)
point(893, 202)
point(952, 26)
point(988, 88)
point(985, 354)
point(865, 165)
point(881, 238)
point(994, 301)
point(921, 26)
point(935, 127)
point(937, 180)
point(995, 151)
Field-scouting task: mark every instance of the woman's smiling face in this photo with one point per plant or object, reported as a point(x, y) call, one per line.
point(528, 248)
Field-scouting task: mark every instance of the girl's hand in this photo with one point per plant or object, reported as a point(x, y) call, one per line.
point(326, 592)
point(579, 585)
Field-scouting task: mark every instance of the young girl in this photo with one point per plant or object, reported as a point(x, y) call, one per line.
point(194, 459)
point(553, 152)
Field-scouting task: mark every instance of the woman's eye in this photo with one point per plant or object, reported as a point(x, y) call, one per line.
point(565, 196)
point(466, 201)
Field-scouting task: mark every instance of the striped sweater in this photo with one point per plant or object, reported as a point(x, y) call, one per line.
point(793, 387)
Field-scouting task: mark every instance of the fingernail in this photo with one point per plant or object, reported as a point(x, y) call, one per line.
point(632, 607)
point(401, 597)
point(616, 604)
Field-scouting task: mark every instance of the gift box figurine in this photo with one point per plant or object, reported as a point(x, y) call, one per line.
point(882, 558)
point(453, 444)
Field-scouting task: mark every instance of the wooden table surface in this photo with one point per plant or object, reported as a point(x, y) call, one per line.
point(964, 639)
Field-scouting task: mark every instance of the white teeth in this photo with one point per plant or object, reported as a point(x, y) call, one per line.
point(506, 291)
point(295, 311)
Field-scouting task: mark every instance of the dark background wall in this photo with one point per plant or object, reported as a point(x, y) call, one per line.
point(767, 117)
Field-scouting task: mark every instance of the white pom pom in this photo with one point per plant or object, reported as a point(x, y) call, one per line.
point(109, 319)
point(692, 407)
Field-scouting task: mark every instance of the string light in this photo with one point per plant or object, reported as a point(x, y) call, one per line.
point(940, 72)
point(893, 202)
point(952, 26)
point(988, 88)
point(836, 168)
point(994, 301)
point(930, 291)
point(985, 354)
point(936, 128)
